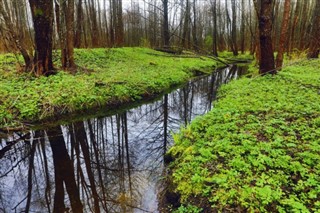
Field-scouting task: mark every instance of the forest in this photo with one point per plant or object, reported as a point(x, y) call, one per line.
point(202, 26)
point(181, 106)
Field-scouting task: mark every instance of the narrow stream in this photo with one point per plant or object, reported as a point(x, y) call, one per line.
point(105, 164)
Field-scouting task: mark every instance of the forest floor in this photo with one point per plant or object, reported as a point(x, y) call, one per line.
point(258, 150)
point(105, 78)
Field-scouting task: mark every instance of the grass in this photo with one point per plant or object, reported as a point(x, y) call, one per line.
point(112, 77)
point(257, 150)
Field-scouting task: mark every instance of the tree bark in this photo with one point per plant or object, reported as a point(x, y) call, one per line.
point(77, 39)
point(165, 25)
point(267, 64)
point(314, 46)
point(234, 29)
point(215, 30)
point(283, 34)
point(119, 26)
point(70, 35)
point(42, 15)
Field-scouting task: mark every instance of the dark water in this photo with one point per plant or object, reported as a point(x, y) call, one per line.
point(105, 164)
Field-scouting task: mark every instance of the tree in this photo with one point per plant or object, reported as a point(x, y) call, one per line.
point(79, 25)
point(283, 34)
point(15, 39)
point(116, 28)
point(65, 26)
point(215, 30)
point(165, 24)
point(42, 16)
point(314, 46)
point(234, 29)
point(264, 14)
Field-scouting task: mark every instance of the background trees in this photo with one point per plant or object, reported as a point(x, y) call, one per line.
point(210, 25)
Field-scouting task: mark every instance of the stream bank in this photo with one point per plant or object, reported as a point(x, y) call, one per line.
point(106, 78)
point(257, 150)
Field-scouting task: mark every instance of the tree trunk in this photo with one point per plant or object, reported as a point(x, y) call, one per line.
point(119, 26)
point(186, 31)
point(234, 29)
point(194, 29)
point(265, 30)
point(215, 30)
point(77, 39)
point(314, 46)
point(284, 33)
point(165, 25)
point(70, 35)
point(292, 43)
point(94, 32)
point(242, 29)
point(42, 15)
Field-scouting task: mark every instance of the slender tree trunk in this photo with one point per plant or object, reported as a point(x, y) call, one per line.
point(243, 26)
point(234, 28)
point(314, 46)
point(215, 30)
point(194, 29)
point(70, 34)
point(292, 43)
point(284, 33)
point(77, 39)
point(94, 32)
point(186, 26)
point(119, 26)
point(165, 25)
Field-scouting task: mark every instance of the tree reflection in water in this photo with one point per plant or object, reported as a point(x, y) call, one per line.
point(105, 164)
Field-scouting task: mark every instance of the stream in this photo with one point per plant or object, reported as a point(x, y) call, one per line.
point(103, 164)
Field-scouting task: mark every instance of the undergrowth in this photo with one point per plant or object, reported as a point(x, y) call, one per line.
point(105, 77)
point(257, 150)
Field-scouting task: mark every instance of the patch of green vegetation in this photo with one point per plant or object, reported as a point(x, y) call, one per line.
point(105, 77)
point(258, 149)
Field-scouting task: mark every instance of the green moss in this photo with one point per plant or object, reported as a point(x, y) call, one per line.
point(107, 77)
point(258, 149)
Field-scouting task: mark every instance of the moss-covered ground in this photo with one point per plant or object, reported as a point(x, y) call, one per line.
point(258, 150)
point(106, 77)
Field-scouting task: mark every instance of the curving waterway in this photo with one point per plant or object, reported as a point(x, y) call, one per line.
point(104, 164)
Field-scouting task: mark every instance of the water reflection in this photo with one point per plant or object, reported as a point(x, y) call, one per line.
point(107, 164)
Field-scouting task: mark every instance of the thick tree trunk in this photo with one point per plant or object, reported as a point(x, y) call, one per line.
point(314, 46)
point(42, 15)
point(265, 30)
point(284, 34)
